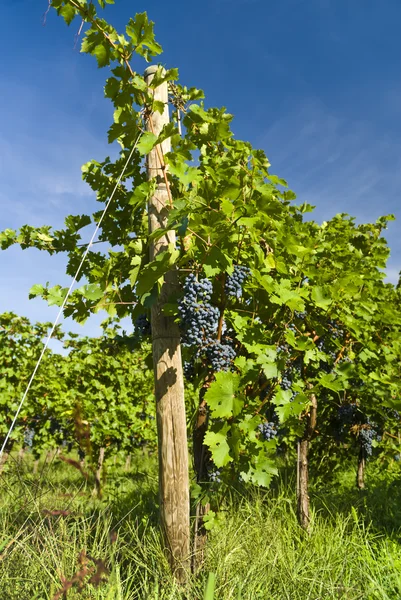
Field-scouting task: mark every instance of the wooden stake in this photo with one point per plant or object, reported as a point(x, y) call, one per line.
point(167, 363)
point(127, 463)
point(3, 459)
point(360, 475)
point(97, 490)
point(303, 465)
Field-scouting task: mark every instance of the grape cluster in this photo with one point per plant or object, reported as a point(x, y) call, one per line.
point(286, 382)
point(220, 355)
point(393, 414)
point(235, 281)
point(29, 434)
point(199, 319)
point(199, 322)
point(189, 370)
point(366, 437)
point(214, 476)
point(142, 325)
point(346, 417)
point(347, 413)
point(55, 426)
point(335, 329)
point(268, 430)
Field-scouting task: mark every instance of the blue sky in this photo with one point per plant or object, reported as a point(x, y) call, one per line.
point(315, 83)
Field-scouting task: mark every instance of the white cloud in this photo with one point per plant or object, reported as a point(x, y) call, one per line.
point(337, 164)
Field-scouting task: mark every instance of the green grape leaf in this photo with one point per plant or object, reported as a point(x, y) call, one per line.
point(218, 446)
point(146, 143)
point(222, 395)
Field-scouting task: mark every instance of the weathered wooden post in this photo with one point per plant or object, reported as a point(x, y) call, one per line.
point(303, 464)
point(167, 363)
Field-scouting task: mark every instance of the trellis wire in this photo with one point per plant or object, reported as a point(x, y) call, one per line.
point(60, 312)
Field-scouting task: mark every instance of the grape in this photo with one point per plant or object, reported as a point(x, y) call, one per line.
point(366, 436)
point(335, 329)
point(268, 430)
point(29, 434)
point(199, 323)
point(215, 476)
point(220, 355)
point(234, 282)
point(142, 325)
point(347, 414)
point(199, 319)
point(189, 370)
point(286, 382)
point(54, 426)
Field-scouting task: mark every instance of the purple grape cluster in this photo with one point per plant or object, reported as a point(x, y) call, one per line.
point(142, 325)
point(220, 355)
point(214, 476)
point(199, 318)
point(29, 434)
point(286, 382)
point(335, 329)
point(347, 413)
point(346, 416)
point(199, 323)
point(189, 370)
point(268, 430)
point(366, 437)
point(235, 281)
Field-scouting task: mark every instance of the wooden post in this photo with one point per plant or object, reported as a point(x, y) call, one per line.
point(97, 490)
point(127, 463)
point(201, 456)
point(167, 363)
point(303, 465)
point(360, 475)
point(3, 459)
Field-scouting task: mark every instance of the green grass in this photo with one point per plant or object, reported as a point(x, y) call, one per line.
point(256, 550)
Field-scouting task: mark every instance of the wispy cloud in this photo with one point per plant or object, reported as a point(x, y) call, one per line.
point(40, 171)
point(339, 165)
point(41, 158)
